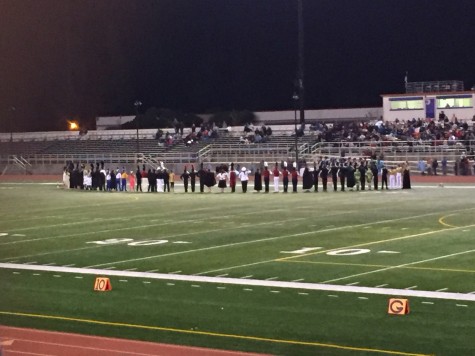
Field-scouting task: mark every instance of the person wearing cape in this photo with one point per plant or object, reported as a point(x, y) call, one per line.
point(257, 181)
point(406, 177)
point(209, 179)
point(307, 180)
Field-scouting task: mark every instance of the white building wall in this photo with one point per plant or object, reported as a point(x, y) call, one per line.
point(104, 122)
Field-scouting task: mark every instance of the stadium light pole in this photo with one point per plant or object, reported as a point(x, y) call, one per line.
point(137, 105)
point(295, 98)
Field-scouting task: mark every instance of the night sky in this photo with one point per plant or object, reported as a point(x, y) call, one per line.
point(64, 59)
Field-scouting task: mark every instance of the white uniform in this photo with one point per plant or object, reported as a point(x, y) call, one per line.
point(276, 174)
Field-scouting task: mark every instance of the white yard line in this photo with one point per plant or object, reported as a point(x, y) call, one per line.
point(412, 287)
point(381, 285)
point(399, 266)
point(283, 237)
point(145, 226)
point(441, 289)
point(245, 282)
point(163, 237)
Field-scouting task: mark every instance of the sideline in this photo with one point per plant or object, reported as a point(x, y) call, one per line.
point(209, 333)
point(246, 282)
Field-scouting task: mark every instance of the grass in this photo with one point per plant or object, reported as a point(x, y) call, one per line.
point(428, 232)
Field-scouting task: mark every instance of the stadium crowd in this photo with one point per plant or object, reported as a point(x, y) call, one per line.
point(442, 131)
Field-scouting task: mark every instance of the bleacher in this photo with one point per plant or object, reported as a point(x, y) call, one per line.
point(121, 146)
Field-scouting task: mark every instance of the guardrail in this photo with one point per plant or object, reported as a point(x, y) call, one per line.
point(397, 150)
point(42, 159)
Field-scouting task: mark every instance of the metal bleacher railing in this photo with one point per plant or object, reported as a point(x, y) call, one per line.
point(120, 147)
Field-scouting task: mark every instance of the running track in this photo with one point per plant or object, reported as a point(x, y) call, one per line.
point(20, 341)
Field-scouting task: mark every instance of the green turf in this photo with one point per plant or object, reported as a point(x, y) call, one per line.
point(245, 235)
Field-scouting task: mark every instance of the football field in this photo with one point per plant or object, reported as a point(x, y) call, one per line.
point(287, 274)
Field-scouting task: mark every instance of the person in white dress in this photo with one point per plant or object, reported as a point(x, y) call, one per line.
point(276, 174)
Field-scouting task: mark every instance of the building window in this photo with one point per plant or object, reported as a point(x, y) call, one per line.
point(414, 103)
point(456, 101)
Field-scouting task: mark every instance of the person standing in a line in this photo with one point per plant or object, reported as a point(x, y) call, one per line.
point(316, 173)
point(295, 178)
point(384, 178)
point(244, 178)
point(232, 178)
point(285, 178)
point(222, 178)
point(132, 181)
point(266, 176)
point(324, 176)
point(184, 177)
point(258, 181)
point(193, 175)
point(276, 174)
point(202, 176)
point(138, 176)
point(171, 180)
point(334, 172)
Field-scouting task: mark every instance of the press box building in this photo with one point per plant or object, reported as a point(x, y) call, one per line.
point(428, 100)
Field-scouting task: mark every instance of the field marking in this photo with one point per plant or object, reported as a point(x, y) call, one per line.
point(208, 333)
point(399, 266)
point(374, 242)
point(382, 285)
point(152, 270)
point(245, 282)
point(462, 305)
point(370, 265)
point(163, 237)
point(151, 225)
point(442, 222)
point(283, 237)
point(412, 287)
point(431, 303)
point(441, 289)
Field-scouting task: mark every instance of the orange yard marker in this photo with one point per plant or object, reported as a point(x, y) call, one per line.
point(102, 284)
point(398, 306)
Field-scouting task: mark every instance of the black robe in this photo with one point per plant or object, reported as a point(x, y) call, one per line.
point(257, 181)
point(350, 177)
point(406, 179)
point(307, 179)
point(209, 179)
